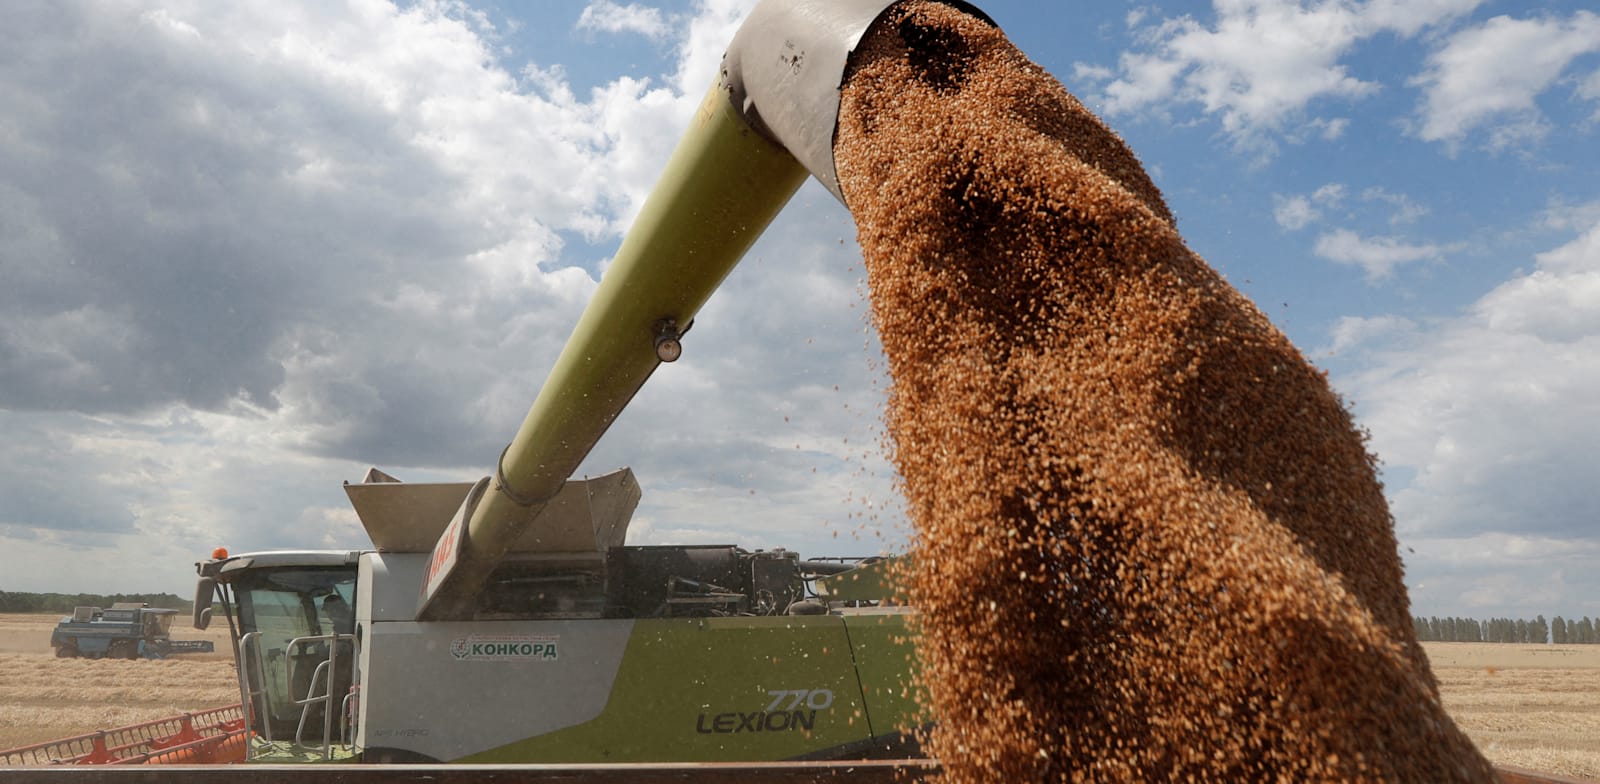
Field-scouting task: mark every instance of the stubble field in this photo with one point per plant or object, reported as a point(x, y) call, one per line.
point(1527, 706)
point(44, 698)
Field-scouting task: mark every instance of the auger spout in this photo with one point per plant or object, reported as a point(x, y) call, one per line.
point(767, 122)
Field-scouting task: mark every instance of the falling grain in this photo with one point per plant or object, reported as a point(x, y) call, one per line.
point(1151, 543)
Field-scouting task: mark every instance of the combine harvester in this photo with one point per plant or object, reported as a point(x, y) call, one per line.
point(505, 621)
point(129, 630)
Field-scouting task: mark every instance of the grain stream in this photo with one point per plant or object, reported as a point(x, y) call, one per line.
point(1151, 544)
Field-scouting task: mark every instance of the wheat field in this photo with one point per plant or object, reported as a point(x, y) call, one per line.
point(1527, 706)
point(43, 698)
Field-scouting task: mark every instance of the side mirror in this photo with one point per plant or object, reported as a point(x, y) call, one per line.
point(204, 591)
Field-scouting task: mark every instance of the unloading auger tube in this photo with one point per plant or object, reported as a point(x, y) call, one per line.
point(768, 121)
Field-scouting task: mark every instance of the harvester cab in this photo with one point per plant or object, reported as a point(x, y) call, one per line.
point(505, 620)
point(295, 662)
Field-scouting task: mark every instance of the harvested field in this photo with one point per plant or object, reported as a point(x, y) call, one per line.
point(1528, 706)
point(43, 698)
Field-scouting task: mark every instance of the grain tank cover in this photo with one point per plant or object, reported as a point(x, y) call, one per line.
point(587, 516)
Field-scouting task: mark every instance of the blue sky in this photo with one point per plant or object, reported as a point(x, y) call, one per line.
point(249, 249)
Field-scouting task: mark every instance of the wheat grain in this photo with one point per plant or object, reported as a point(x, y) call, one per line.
point(1151, 544)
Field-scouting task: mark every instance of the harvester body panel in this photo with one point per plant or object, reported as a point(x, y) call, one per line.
point(672, 666)
point(718, 689)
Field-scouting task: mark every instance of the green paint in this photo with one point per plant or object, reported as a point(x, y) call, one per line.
point(721, 188)
point(870, 582)
point(734, 689)
point(886, 662)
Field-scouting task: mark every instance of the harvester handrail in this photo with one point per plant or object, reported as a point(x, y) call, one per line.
point(311, 698)
point(325, 671)
point(251, 642)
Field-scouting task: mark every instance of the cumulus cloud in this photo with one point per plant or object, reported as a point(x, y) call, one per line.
point(1329, 129)
point(705, 38)
point(248, 250)
point(1492, 413)
point(1486, 423)
point(1502, 574)
point(1296, 212)
point(1559, 302)
point(1377, 256)
point(1489, 75)
point(1351, 332)
point(1259, 64)
point(1561, 215)
point(1293, 212)
point(217, 211)
point(1589, 90)
point(1402, 208)
point(608, 17)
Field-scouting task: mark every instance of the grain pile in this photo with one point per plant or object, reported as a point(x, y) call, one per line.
point(1152, 545)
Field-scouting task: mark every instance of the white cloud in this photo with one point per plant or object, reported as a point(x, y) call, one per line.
point(1487, 422)
point(1490, 74)
point(1297, 212)
point(1331, 129)
point(1559, 302)
point(247, 250)
point(1261, 63)
point(608, 17)
point(1293, 212)
point(1404, 209)
point(1331, 194)
point(707, 37)
point(330, 185)
point(1589, 90)
point(1352, 332)
point(1378, 256)
point(1563, 216)
point(1503, 574)
point(1092, 73)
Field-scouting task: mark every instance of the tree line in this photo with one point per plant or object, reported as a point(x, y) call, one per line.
point(1431, 629)
point(1557, 630)
point(21, 602)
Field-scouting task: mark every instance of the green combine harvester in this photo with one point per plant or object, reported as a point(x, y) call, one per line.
point(506, 620)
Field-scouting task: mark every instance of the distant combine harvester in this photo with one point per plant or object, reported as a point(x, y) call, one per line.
point(129, 630)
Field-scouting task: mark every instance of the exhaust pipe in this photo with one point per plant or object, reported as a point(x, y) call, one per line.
point(768, 121)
